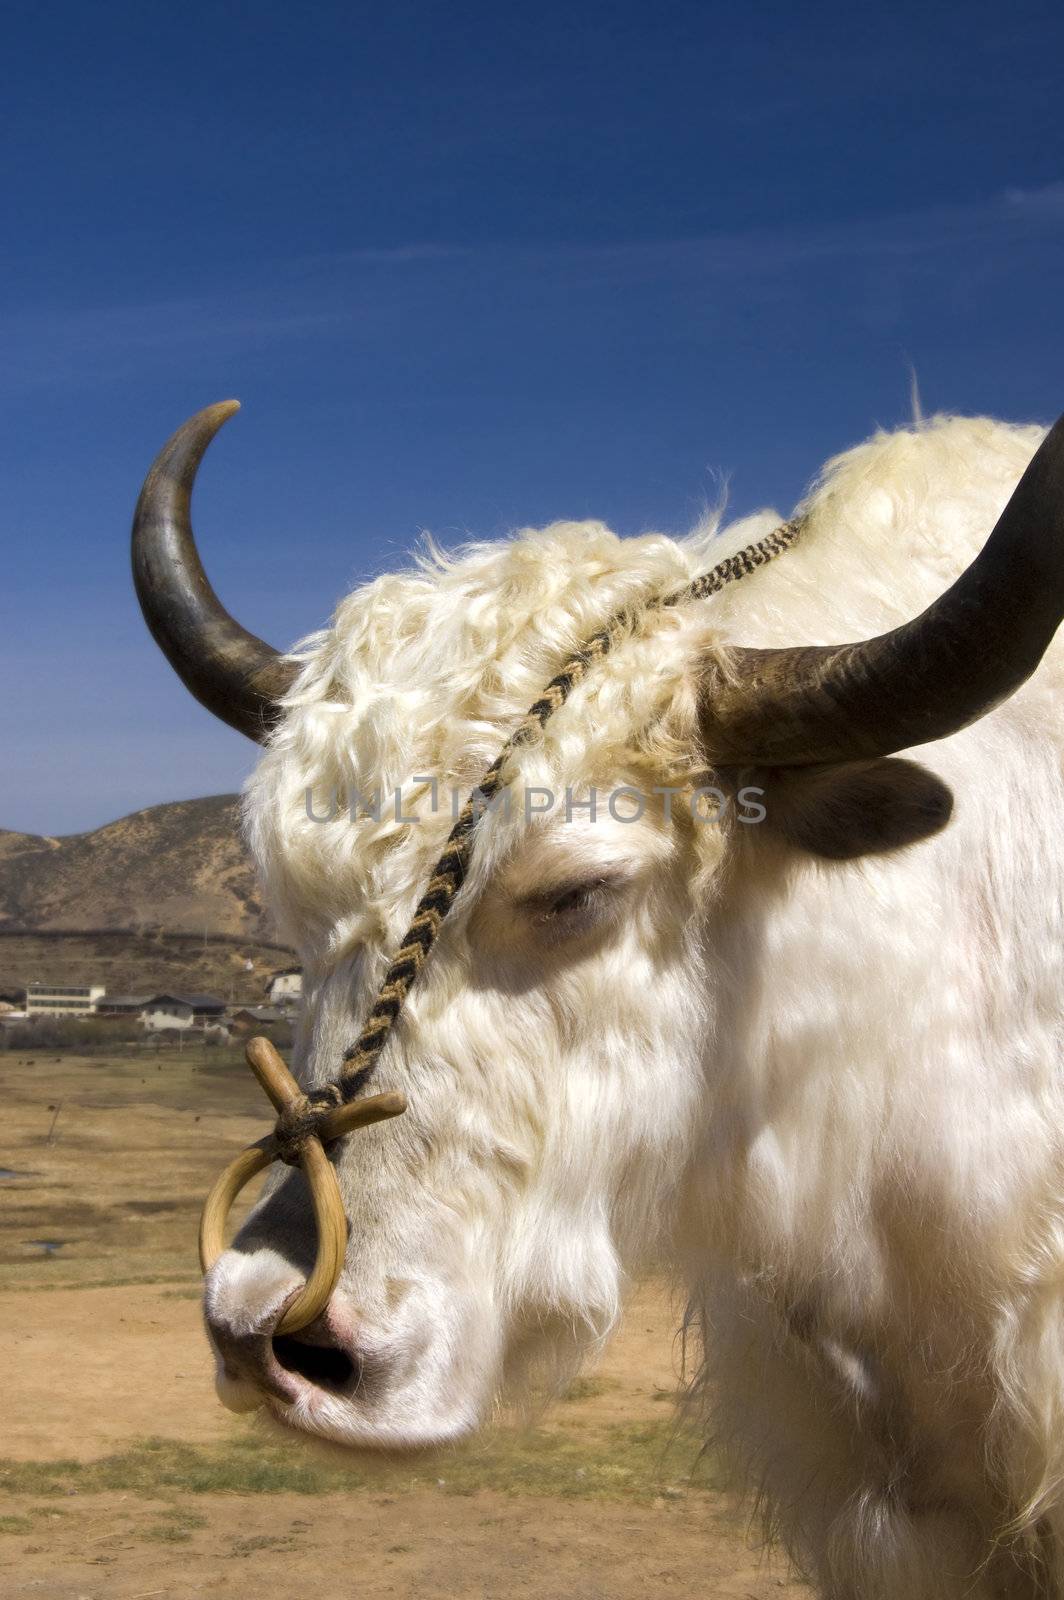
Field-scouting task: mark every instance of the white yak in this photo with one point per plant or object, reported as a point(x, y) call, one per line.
point(796, 1042)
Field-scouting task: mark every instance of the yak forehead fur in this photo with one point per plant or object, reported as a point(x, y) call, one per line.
point(427, 671)
point(865, 1182)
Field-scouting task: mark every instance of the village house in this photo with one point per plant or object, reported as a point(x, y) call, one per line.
point(163, 1012)
point(285, 988)
point(248, 1018)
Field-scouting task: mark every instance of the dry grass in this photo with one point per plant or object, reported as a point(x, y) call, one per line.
point(630, 1461)
point(116, 1154)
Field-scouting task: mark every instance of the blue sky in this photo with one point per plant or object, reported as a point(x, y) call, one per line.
point(470, 267)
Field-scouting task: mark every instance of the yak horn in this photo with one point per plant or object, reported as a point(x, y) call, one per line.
point(961, 657)
point(234, 674)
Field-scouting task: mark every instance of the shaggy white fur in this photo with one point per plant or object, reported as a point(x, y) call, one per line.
point(827, 1094)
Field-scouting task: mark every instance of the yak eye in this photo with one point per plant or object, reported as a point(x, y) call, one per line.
point(575, 899)
point(574, 907)
point(570, 910)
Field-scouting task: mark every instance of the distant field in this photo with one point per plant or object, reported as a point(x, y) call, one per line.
point(121, 1476)
point(117, 1153)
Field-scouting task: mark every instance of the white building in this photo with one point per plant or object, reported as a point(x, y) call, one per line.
point(160, 1013)
point(164, 1012)
point(49, 1000)
point(285, 988)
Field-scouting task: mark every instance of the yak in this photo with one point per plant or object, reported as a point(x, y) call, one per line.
point(758, 983)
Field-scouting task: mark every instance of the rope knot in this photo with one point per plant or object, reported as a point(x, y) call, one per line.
point(300, 1121)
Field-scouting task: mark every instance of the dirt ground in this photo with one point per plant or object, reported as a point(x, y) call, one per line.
point(122, 1476)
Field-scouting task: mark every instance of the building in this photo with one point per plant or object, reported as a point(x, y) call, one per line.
point(205, 1007)
point(165, 1012)
point(285, 988)
point(248, 1018)
point(50, 1000)
point(160, 1013)
point(122, 1005)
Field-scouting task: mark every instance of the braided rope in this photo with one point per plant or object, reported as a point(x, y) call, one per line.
point(449, 874)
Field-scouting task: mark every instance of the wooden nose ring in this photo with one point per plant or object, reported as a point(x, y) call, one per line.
point(286, 1095)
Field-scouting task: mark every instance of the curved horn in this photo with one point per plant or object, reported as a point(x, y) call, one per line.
point(961, 657)
point(234, 674)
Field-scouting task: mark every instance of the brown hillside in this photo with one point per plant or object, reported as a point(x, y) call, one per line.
point(165, 898)
point(142, 963)
point(181, 867)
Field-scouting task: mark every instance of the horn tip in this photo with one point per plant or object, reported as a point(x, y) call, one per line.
point(221, 411)
point(201, 428)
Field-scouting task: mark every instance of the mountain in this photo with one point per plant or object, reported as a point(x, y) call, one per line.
point(163, 898)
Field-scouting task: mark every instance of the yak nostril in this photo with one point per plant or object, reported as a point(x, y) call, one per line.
point(323, 1364)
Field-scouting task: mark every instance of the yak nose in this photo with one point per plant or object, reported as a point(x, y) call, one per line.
point(317, 1355)
point(255, 1361)
point(246, 1361)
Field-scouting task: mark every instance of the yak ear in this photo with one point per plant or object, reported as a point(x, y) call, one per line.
point(862, 808)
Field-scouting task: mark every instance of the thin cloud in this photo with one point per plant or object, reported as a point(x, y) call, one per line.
point(899, 233)
point(1049, 198)
point(67, 348)
point(343, 295)
point(388, 255)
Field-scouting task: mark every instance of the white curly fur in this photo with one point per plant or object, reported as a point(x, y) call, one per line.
point(827, 1095)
